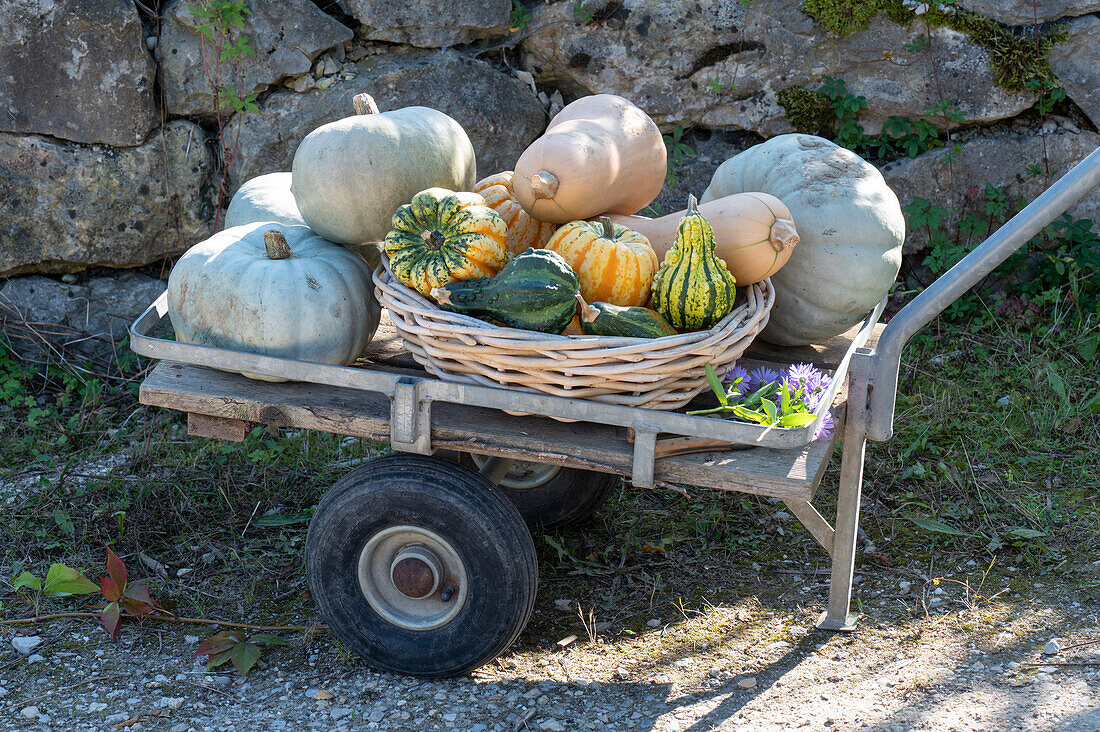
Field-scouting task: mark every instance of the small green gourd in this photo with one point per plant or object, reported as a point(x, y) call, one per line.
point(605, 319)
point(693, 289)
point(536, 290)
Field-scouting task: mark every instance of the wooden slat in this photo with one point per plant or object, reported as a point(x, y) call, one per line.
point(781, 473)
point(220, 428)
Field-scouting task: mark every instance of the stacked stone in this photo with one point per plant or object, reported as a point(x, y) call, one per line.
point(109, 153)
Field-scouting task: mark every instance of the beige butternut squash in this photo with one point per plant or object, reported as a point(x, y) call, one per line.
point(753, 232)
point(600, 154)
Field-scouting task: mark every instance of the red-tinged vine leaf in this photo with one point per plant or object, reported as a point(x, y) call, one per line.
point(223, 641)
point(114, 584)
point(234, 645)
point(137, 601)
point(111, 617)
point(111, 592)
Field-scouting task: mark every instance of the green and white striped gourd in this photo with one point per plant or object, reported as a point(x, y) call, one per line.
point(693, 288)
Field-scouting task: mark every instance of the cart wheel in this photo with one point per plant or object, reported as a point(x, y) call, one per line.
point(549, 496)
point(421, 566)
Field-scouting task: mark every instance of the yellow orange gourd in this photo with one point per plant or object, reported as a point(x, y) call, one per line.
point(600, 154)
point(523, 230)
point(753, 233)
point(615, 264)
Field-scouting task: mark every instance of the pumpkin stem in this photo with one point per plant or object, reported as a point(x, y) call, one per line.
point(544, 184)
point(441, 296)
point(433, 239)
point(276, 245)
point(783, 235)
point(693, 206)
point(588, 313)
point(608, 228)
point(364, 104)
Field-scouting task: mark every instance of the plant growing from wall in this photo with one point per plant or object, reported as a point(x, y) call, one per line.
point(223, 46)
point(1060, 264)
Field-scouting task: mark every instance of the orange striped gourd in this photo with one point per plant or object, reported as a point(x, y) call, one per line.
point(523, 230)
point(615, 264)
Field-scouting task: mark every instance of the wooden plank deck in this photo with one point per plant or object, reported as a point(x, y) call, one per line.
point(790, 474)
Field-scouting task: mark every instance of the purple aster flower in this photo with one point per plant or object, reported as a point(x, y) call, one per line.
point(800, 373)
point(737, 372)
point(826, 427)
point(762, 375)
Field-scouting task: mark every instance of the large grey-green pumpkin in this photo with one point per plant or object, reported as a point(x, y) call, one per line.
point(350, 176)
point(277, 290)
point(851, 228)
point(264, 198)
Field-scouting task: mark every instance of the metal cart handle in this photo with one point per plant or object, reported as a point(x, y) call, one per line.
point(1017, 231)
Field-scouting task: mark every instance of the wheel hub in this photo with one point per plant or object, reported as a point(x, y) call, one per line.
point(412, 577)
point(522, 475)
point(415, 572)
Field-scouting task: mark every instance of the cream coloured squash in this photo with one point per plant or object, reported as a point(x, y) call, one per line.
point(851, 228)
point(276, 290)
point(753, 233)
point(264, 198)
point(349, 176)
point(600, 154)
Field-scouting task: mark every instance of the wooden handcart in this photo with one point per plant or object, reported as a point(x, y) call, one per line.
point(423, 567)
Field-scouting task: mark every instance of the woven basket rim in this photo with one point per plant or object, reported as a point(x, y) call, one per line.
point(737, 318)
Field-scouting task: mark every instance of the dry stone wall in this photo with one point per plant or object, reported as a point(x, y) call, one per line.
point(111, 153)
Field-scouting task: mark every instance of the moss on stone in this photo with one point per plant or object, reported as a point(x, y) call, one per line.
point(845, 17)
point(808, 110)
point(1018, 55)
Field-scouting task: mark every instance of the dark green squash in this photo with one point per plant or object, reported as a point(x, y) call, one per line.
point(537, 290)
point(605, 319)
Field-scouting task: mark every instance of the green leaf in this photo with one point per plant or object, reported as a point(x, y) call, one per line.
point(276, 520)
point(798, 419)
point(1093, 405)
point(716, 385)
point(1056, 382)
point(1087, 349)
point(267, 639)
point(1022, 533)
point(62, 580)
point(750, 415)
point(26, 579)
point(938, 526)
point(244, 656)
point(64, 522)
point(771, 410)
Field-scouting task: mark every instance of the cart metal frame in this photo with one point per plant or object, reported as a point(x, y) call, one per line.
point(425, 414)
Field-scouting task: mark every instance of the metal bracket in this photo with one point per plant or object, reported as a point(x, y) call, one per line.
point(645, 454)
point(410, 418)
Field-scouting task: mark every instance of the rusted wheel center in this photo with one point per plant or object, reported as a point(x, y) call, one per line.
point(415, 572)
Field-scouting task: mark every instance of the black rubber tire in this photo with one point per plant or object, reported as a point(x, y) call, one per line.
point(570, 497)
point(454, 502)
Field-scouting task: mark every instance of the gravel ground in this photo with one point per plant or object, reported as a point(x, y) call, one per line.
point(739, 667)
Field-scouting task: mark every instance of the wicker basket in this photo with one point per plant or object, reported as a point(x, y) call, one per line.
point(658, 373)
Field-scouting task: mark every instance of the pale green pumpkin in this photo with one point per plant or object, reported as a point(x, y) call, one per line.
point(276, 290)
point(850, 224)
point(349, 176)
point(264, 198)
